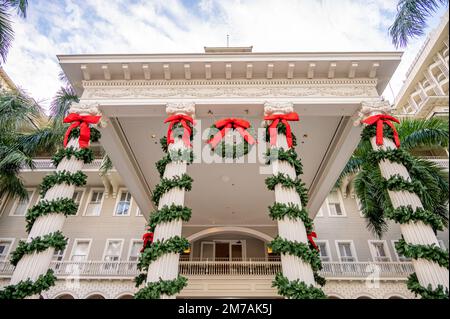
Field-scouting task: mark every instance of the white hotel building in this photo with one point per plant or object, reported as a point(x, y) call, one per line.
point(230, 227)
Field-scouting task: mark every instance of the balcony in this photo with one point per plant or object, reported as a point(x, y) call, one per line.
point(441, 162)
point(47, 165)
point(214, 269)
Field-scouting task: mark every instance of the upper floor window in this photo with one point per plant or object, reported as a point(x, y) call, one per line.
point(80, 250)
point(21, 205)
point(135, 249)
point(346, 252)
point(5, 246)
point(399, 257)
point(379, 251)
point(94, 205)
point(139, 212)
point(323, 251)
point(123, 204)
point(113, 250)
point(334, 204)
point(77, 196)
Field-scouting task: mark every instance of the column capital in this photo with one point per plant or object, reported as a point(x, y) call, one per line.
point(186, 108)
point(278, 107)
point(88, 108)
point(369, 108)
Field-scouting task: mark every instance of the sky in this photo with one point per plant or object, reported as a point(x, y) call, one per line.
point(55, 27)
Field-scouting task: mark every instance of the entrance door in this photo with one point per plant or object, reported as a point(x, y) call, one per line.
point(222, 251)
point(207, 250)
point(236, 251)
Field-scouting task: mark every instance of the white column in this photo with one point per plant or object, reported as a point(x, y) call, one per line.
point(31, 266)
point(166, 266)
point(292, 230)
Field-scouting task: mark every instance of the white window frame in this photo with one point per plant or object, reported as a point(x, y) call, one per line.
point(321, 209)
point(83, 192)
point(64, 252)
point(352, 248)
point(3, 200)
point(132, 241)
point(393, 241)
point(75, 241)
point(16, 203)
point(385, 247)
point(230, 242)
point(119, 195)
point(12, 240)
point(358, 205)
point(442, 244)
point(327, 247)
point(94, 189)
point(138, 212)
point(341, 203)
point(106, 248)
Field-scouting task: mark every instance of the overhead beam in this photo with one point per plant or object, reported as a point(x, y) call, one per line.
point(187, 71)
point(352, 70)
point(249, 73)
point(85, 72)
point(311, 68)
point(228, 71)
point(373, 70)
point(106, 72)
point(126, 72)
point(146, 70)
point(290, 71)
point(166, 69)
point(269, 70)
point(208, 71)
point(331, 70)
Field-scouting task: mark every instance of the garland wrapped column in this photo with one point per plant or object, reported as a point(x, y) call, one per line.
point(419, 242)
point(159, 260)
point(45, 220)
point(300, 260)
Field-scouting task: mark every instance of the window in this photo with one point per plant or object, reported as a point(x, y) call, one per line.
point(135, 249)
point(346, 251)
point(113, 250)
point(80, 250)
point(5, 246)
point(21, 205)
point(321, 210)
point(323, 250)
point(58, 256)
point(77, 196)
point(123, 205)
point(399, 257)
point(334, 204)
point(138, 212)
point(442, 244)
point(94, 206)
point(359, 205)
point(379, 251)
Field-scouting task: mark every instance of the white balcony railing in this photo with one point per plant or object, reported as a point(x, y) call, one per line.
point(442, 162)
point(244, 268)
point(47, 165)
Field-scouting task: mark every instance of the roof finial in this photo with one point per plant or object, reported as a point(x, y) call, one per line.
point(228, 40)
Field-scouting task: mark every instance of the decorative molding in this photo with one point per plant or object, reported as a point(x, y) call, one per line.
point(187, 108)
point(369, 108)
point(278, 107)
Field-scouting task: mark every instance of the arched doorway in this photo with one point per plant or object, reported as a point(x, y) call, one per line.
point(96, 296)
point(65, 296)
point(126, 296)
point(363, 297)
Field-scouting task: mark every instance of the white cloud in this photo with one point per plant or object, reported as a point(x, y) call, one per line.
point(97, 26)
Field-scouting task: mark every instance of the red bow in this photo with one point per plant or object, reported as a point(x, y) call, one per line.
point(284, 118)
point(380, 120)
point(183, 119)
point(148, 238)
point(311, 237)
point(83, 122)
point(224, 125)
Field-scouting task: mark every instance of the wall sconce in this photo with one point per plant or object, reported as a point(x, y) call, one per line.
point(269, 250)
point(187, 251)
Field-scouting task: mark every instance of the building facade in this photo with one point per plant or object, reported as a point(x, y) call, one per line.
point(230, 229)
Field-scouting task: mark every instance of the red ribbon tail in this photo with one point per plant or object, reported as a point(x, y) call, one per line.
point(379, 138)
point(217, 138)
point(85, 135)
point(186, 134)
point(246, 135)
point(273, 131)
point(169, 134)
point(288, 133)
point(70, 128)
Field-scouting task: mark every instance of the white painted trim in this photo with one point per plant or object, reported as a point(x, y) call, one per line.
point(341, 203)
point(65, 250)
point(16, 203)
point(138, 212)
point(358, 205)
point(119, 194)
point(232, 241)
point(121, 240)
point(209, 243)
point(442, 244)
point(75, 241)
point(327, 247)
point(229, 229)
point(132, 240)
point(385, 246)
point(93, 189)
point(83, 193)
point(352, 248)
point(322, 208)
point(10, 239)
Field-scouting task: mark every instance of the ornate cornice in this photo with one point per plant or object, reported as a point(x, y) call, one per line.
point(187, 108)
point(369, 108)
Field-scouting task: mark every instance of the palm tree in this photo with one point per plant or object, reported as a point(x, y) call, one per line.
point(411, 18)
point(6, 31)
point(416, 135)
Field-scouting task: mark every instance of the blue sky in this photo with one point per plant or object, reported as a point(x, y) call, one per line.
point(157, 26)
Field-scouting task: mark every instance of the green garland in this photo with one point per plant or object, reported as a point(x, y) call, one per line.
point(296, 289)
point(429, 252)
point(184, 181)
point(38, 244)
point(154, 290)
point(294, 248)
point(140, 279)
point(281, 129)
point(177, 131)
point(94, 137)
point(169, 213)
point(26, 288)
point(185, 155)
point(426, 293)
point(290, 156)
point(66, 206)
point(226, 150)
point(371, 131)
point(78, 179)
point(396, 155)
point(84, 154)
point(174, 244)
point(406, 214)
point(288, 182)
point(280, 210)
point(398, 183)
point(321, 281)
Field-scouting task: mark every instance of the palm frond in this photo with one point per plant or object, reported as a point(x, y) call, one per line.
point(410, 21)
point(352, 167)
point(106, 165)
point(416, 133)
point(6, 32)
point(60, 104)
